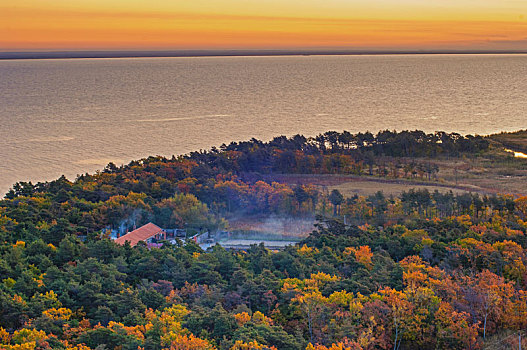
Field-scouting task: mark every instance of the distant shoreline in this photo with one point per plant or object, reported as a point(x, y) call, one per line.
point(12, 55)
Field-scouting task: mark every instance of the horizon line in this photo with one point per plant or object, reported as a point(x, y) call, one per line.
point(71, 54)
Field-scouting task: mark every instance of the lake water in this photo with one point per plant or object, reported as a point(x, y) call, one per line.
point(74, 116)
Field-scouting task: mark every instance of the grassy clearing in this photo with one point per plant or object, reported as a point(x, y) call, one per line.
point(495, 172)
point(513, 140)
point(366, 188)
point(350, 185)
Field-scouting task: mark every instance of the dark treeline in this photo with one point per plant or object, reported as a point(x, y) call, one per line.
point(306, 155)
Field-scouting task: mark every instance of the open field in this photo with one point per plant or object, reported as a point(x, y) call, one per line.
point(350, 185)
point(496, 172)
point(367, 188)
point(514, 140)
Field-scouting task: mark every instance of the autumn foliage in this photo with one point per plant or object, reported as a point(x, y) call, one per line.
point(418, 271)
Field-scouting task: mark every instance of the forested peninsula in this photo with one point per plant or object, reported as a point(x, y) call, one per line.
point(419, 241)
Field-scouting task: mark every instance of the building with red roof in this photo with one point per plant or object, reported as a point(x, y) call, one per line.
point(148, 233)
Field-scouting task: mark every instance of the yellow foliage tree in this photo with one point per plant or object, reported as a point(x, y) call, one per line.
point(260, 318)
point(242, 318)
point(60, 314)
point(25, 335)
point(4, 336)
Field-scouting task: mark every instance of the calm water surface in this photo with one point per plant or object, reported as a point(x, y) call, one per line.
point(74, 116)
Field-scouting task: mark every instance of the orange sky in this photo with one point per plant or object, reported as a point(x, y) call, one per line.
point(252, 24)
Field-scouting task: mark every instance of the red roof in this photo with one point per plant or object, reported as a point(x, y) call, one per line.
point(141, 234)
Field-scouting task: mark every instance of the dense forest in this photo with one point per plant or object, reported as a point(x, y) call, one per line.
point(421, 270)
